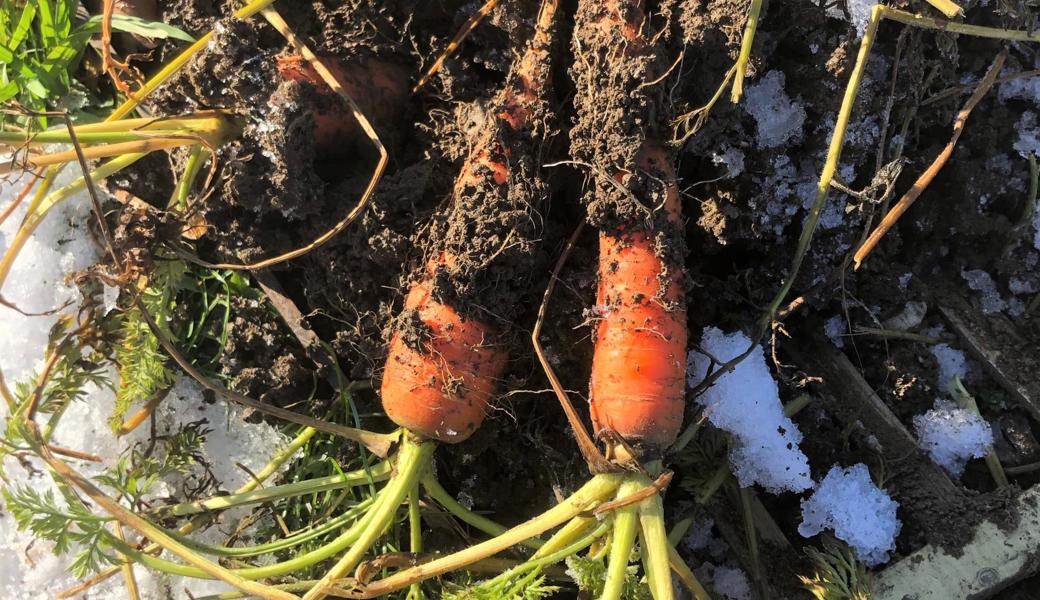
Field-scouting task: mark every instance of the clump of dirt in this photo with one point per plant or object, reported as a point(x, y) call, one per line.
point(255, 359)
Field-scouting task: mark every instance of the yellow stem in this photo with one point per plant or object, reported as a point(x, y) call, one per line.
point(591, 494)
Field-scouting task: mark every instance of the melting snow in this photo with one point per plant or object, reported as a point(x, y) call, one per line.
point(746, 403)
point(779, 119)
point(860, 513)
point(60, 246)
point(953, 435)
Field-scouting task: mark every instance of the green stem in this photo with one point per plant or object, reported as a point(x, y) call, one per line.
point(191, 172)
point(412, 461)
point(591, 494)
point(686, 575)
point(283, 544)
point(303, 561)
point(830, 167)
point(414, 537)
point(442, 497)
point(568, 533)
point(563, 544)
point(746, 42)
point(380, 472)
point(714, 483)
point(752, 542)
point(923, 22)
point(655, 545)
point(626, 523)
point(61, 136)
point(967, 402)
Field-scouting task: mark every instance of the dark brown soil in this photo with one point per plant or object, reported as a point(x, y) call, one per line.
point(744, 205)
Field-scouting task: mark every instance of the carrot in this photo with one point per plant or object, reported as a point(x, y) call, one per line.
point(379, 87)
point(440, 387)
point(445, 355)
point(639, 365)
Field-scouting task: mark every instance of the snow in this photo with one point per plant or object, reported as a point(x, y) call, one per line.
point(1028, 142)
point(859, 13)
point(952, 436)
point(746, 403)
point(779, 119)
point(952, 363)
point(731, 583)
point(699, 535)
point(911, 316)
point(980, 281)
point(30, 570)
point(834, 328)
point(1036, 229)
point(787, 188)
point(731, 158)
point(858, 512)
point(1026, 88)
point(904, 280)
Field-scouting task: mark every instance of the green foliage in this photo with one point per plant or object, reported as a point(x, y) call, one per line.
point(74, 370)
point(529, 587)
point(66, 520)
point(135, 473)
point(192, 306)
point(68, 523)
point(591, 575)
point(838, 576)
point(143, 365)
point(42, 44)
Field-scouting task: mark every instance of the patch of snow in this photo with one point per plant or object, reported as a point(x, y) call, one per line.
point(701, 539)
point(980, 281)
point(731, 583)
point(37, 282)
point(952, 363)
point(952, 436)
point(908, 318)
point(1036, 229)
point(834, 327)
point(859, 14)
point(904, 280)
point(779, 119)
point(1028, 142)
point(731, 158)
point(858, 512)
point(1020, 286)
point(746, 403)
point(1025, 88)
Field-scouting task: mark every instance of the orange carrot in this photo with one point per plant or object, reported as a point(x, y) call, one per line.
point(379, 87)
point(439, 386)
point(639, 364)
point(638, 369)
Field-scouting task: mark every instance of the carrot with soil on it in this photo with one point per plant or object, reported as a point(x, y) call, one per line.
point(446, 355)
point(638, 373)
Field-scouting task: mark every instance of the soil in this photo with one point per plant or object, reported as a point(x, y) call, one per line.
point(277, 188)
